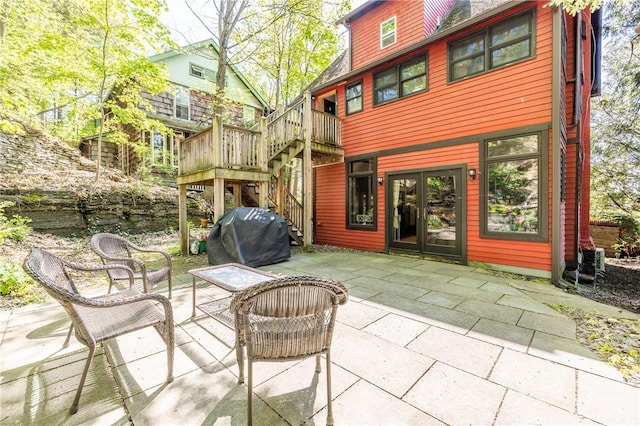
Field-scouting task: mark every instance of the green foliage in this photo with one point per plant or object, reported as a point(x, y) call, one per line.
point(574, 6)
point(15, 282)
point(64, 65)
point(15, 227)
point(288, 44)
point(615, 134)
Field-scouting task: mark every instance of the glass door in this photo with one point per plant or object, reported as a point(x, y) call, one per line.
point(442, 212)
point(425, 212)
point(404, 211)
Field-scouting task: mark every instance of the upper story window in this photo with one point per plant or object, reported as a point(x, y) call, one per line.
point(354, 97)
point(181, 103)
point(498, 45)
point(388, 32)
point(202, 72)
point(402, 80)
point(514, 182)
point(196, 70)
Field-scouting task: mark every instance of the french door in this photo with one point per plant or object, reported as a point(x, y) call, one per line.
point(425, 212)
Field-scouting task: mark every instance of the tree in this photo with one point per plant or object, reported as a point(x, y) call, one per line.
point(291, 42)
point(76, 60)
point(124, 31)
point(572, 7)
point(615, 136)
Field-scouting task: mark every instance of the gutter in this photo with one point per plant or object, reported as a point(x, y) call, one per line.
point(422, 43)
point(556, 141)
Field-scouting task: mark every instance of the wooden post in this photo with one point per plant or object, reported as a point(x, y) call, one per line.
point(216, 136)
point(183, 229)
point(263, 197)
point(218, 198)
point(280, 192)
point(307, 175)
point(237, 194)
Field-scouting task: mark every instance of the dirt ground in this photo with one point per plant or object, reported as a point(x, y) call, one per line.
point(619, 286)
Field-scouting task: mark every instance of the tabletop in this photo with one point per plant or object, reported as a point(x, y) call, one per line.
point(232, 276)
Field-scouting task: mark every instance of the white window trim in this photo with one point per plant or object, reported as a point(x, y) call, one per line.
point(187, 94)
point(395, 32)
point(196, 70)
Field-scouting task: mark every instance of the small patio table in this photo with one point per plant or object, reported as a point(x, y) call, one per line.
point(232, 277)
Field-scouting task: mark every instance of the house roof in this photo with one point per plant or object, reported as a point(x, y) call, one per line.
point(462, 14)
point(212, 44)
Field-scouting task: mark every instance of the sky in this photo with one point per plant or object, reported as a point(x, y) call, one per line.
point(187, 29)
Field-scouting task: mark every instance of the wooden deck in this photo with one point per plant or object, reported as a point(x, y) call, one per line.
point(224, 154)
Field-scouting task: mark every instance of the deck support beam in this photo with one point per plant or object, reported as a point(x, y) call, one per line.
point(183, 228)
point(307, 178)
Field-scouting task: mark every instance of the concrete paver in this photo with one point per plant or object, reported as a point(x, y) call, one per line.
point(418, 343)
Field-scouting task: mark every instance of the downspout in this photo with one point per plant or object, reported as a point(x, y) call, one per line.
point(556, 145)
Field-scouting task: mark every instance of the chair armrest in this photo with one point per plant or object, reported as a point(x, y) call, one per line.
point(99, 268)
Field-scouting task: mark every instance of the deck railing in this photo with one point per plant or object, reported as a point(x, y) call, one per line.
point(196, 153)
point(241, 149)
point(327, 129)
point(248, 149)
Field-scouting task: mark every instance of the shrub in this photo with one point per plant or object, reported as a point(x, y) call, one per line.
point(15, 227)
point(16, 283)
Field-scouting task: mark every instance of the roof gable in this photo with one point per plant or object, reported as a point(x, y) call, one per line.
point(204, 53)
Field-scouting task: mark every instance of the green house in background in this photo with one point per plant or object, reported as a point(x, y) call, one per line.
point(186, 109)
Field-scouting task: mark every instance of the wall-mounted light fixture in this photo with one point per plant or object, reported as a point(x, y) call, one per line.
point(472, 174)
point(379, 180)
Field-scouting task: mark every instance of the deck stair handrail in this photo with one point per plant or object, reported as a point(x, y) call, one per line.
point(291, 210)
point(283, 128)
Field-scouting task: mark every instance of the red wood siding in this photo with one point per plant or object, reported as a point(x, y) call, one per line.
point(365, 30)
point(512, 97)
point(505, 98)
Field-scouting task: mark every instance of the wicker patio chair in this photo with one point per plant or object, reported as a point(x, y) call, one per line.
point(115, 249)
point(101, 318)
point(286, 319)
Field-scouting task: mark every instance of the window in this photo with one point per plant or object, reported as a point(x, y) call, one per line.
point(361, 194)
point(388, 32)
point(181, 104)
point(514, 183)
point(402, 80)
point(164, 148)
point(196, 70)
point(499, 45)
point(354, 97)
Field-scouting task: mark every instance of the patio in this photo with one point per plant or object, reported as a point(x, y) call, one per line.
point(419, 342)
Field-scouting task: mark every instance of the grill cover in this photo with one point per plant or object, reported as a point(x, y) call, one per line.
point(250, 236)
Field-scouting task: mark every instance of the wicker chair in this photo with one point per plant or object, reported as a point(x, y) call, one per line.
point(115, 249)
point(101, 318)
point(286, 319)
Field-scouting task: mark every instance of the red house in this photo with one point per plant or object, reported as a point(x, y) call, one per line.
point(465, 129)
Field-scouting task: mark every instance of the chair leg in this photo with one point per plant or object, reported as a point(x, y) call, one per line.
point(66, 341)
point(170, 352)
point(170, 285)
point(318, 364)
point(250, 393)
point(74, 406)
point(240, 359)
point(329, 405)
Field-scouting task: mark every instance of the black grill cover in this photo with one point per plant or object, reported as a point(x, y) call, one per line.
point(250, 236)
